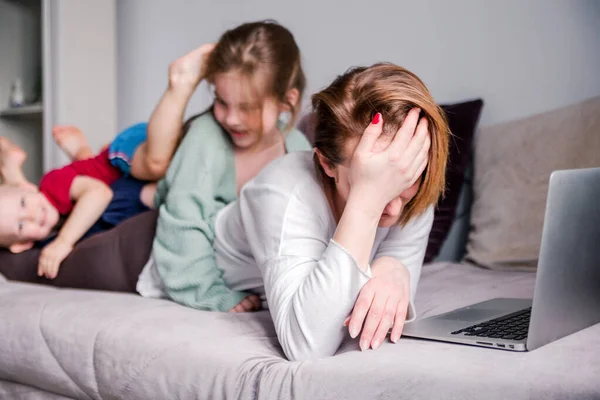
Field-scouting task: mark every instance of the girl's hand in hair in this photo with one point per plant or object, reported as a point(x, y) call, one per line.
point(382, 175)
point(188, 71)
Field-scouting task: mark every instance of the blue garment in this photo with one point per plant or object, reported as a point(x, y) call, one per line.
point(122, 149)
point(125, 204)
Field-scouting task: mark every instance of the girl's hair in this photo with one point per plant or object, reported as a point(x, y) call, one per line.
point(347, 106)
point(262, 47)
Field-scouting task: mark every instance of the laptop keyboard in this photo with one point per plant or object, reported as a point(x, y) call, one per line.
point(512, 326)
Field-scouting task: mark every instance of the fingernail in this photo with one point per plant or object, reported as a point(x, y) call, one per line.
point(353, 332)
point(346, 321)
point(376, 119)
point(395, 339)
point(417, 110)
point(364, 345)
point(375, 345)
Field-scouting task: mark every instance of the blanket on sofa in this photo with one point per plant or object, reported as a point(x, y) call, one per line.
point(65, 343)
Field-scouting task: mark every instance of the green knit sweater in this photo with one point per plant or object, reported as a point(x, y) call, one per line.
point(200, 181)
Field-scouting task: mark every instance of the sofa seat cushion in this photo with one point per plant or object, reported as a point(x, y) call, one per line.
point(90, 344)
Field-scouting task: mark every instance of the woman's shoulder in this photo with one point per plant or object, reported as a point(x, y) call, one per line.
point(288, 169)
point(293, 172)
point(289, 184)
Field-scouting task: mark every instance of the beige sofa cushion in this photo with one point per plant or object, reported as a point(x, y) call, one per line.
point(513, 162)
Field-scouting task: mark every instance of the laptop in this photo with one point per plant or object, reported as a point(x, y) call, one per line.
point(566, 297)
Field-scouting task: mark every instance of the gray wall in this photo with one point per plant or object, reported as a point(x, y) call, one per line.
point(521, 57)
point(83, 69)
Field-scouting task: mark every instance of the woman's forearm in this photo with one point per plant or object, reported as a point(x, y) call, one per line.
point(310, 299)
point(385, 264)
point(357, 228)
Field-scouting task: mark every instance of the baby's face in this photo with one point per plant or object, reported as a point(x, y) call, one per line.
point(25, 216)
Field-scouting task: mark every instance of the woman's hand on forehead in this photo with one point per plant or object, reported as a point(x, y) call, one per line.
point(383, 142)
point(389, 171)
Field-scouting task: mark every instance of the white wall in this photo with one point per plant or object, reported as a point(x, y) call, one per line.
point(83, 69)
point(521, 57)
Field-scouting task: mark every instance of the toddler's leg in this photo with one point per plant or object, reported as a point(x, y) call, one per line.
point(12, 158)
point(72, 141)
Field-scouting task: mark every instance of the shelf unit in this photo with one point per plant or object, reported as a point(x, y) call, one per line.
point(21, 57)
point(29, 110)
point(64, 52)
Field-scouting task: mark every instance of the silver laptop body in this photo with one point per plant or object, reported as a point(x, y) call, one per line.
point(566, 298)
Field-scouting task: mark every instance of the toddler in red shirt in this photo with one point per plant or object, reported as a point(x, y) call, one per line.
point(80, 192)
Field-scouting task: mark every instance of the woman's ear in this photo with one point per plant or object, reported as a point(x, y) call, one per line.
point(20, 247)
point(329, 170)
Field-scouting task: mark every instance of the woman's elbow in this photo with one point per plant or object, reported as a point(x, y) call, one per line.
point(303, 336)
point(301, 346)
point(307, 354)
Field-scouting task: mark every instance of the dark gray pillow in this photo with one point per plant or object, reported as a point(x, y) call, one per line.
point(111, 260)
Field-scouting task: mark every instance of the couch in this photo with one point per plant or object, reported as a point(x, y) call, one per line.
point(65, 343)
point(59, 343)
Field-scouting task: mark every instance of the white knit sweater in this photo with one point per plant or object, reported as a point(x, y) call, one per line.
point(276, 240)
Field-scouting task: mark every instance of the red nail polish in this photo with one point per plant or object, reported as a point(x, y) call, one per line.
point(376, 119)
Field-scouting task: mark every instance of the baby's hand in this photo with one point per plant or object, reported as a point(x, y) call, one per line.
point(52, 255)
point(250, 303)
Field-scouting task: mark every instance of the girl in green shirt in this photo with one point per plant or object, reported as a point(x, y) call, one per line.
point(256, 75)
point(257, 78)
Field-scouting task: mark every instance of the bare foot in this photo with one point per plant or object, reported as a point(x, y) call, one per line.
point(71, 140)
point(12, 158)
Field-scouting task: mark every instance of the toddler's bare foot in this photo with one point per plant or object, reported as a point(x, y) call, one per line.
point(12, 158)
point(71, 140)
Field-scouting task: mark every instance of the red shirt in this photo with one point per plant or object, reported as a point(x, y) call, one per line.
point(56, 184)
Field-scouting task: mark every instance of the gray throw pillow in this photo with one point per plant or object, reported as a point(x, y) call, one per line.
point(512, 164)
